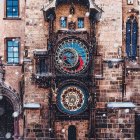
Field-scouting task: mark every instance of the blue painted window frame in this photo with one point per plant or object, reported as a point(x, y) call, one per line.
point(131, 38)
point(81, 22)
point(12, 8)
point(12, 46)
point(63, 22)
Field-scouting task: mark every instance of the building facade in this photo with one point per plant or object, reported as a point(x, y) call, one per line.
point(69, 70)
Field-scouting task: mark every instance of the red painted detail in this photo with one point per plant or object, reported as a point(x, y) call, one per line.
point(81, 63)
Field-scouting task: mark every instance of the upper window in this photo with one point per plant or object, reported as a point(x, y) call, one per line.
point(12, 51)
point(80, 22)
point(12, 8)
point(63, 22)
point(131, 37)
point(129, 1)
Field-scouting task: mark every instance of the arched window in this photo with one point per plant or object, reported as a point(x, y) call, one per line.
point(72, 132)
point(131, 37)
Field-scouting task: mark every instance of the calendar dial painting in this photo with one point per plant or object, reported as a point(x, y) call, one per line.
point(72, 99)
point(72, 56)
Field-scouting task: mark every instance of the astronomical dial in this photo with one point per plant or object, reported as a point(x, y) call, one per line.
point(72, 56)
point(72, 99)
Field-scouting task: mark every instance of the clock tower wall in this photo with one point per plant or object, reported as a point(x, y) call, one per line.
point(62, 129)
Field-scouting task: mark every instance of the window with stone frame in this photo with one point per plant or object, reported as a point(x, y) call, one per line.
point(63, 22)
point(12, 50)
point(131, 37)
point(129, 1)
point(81, 22)
point(12, 8)
point(41, 66)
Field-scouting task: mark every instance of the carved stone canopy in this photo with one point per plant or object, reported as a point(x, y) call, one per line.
point(54, 3)
point(49, 8)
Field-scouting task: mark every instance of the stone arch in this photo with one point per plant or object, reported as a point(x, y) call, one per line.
point(12, 95)
point(6, 92)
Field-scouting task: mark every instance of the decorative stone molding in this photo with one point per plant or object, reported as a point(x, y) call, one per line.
point(12, 95)
point(52, 4)
point(120, 105)
point(32, 106)
point(49, 7)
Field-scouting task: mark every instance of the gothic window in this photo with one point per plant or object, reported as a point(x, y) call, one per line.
point(41, 66)
point(131, 37)
point(80, 22)
point(63, 22)
point(72, 132)
point(12, 8)
point(12, 46)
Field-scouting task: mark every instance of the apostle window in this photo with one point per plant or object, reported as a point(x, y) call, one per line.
point(12, 8)
point(131, 37)
point(63, 22)
point(80, 22)
point(12, 50)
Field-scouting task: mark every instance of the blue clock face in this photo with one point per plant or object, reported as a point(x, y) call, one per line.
point(72, 99)
point(72, 56)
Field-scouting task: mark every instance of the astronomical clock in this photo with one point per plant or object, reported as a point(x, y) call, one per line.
point(71, 63)
point(72, 99)
point(71, 55)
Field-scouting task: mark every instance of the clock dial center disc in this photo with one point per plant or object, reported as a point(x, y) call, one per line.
point(72, 99)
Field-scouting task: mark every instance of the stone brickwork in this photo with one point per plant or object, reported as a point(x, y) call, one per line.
point(62, 129)
point(132, 86)
point(109, 32)
point(115, 124)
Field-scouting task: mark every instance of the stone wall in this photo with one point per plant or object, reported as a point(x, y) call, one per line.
point(109, 31)
point(61, 128)
point(12, 28)
point(115, 124)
